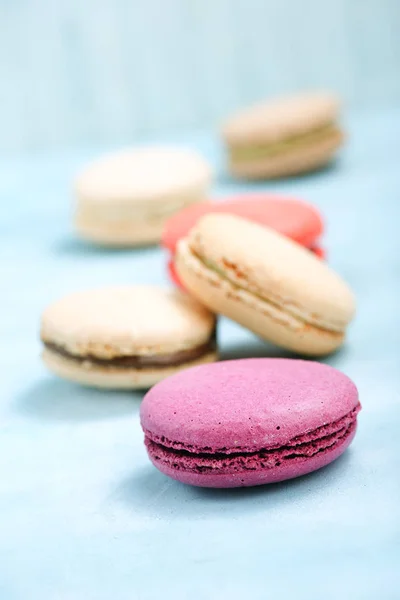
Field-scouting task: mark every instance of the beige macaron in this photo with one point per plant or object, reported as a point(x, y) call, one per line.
point(126, 337)
point(284, 136)
point(265, 282)
point(124, 199)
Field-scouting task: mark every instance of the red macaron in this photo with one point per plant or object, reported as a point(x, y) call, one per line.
point(293, 218)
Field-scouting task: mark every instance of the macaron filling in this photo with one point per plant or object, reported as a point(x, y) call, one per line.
point(245, 153)
point(187, 457)
point(335, 329)
point(137, 361)
point(119, 212)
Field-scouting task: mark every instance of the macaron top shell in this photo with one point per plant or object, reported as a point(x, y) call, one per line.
point(246, 404)
point(118, 321)
point(293, 218)
point(285, 117)
point(273, 268)
point(145, 174)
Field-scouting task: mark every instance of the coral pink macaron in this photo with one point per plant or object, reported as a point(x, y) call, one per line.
point(249, 422)
point(293, 218)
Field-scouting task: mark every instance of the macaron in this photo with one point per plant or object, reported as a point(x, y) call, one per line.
point(266, 282)
point(284, 136)
point(126, 337)
point(124, 199)
point(293, 218)
point(249, 422)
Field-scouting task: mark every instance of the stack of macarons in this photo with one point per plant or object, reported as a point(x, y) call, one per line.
point(254, 258)
point(292, 218)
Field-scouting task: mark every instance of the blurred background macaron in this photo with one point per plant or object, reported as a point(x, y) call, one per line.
point(293, 218)
point(283, 136)
point(126, 337)
point(123, 199)
point(266, 282)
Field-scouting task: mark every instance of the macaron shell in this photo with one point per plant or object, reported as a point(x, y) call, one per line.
point(119, 233)
point(292, 162)
point(173, 275)
point(258, 477)
point(291, 217)
point(247, 403)
point(279, 118)
point(318, 251)
point(129, 177)
point(127, 320)
point(129, 224)
point(272, 267)
point(263, 318)
point(103, 377)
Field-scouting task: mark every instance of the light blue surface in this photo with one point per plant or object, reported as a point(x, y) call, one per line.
point(107, 71)
point(83, 514)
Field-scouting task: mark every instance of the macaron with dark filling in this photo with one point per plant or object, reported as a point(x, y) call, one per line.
point(249, 422)
point(126, 337)
point(283, 136)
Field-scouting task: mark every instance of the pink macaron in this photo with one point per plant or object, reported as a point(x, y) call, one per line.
point(249, 422)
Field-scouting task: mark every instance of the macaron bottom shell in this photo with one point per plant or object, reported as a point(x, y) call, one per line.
point(299, 159)
point(104, 377)
point(256, 476)
point(120, 233)
point(131, 226)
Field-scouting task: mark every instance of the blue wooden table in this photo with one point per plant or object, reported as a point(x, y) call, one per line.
point(83, 514)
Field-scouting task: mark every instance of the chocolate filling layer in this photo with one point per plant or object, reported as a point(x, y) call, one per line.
point(139, 361)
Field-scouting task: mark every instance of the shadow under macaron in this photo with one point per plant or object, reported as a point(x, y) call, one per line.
point(57, 400)
point(252, 347)
point(75, 247)
point(149, 492)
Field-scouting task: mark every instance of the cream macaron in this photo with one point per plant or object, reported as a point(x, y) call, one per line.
point(124, 199)
point(284, 136)
point(265, 282)
point(126, 337)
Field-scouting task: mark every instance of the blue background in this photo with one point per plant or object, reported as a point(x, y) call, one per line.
point(83, 514)
point(108, 71)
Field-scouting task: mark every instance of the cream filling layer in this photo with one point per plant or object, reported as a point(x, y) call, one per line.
point(123, 214)
point(277, 309)
point(245, 153)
